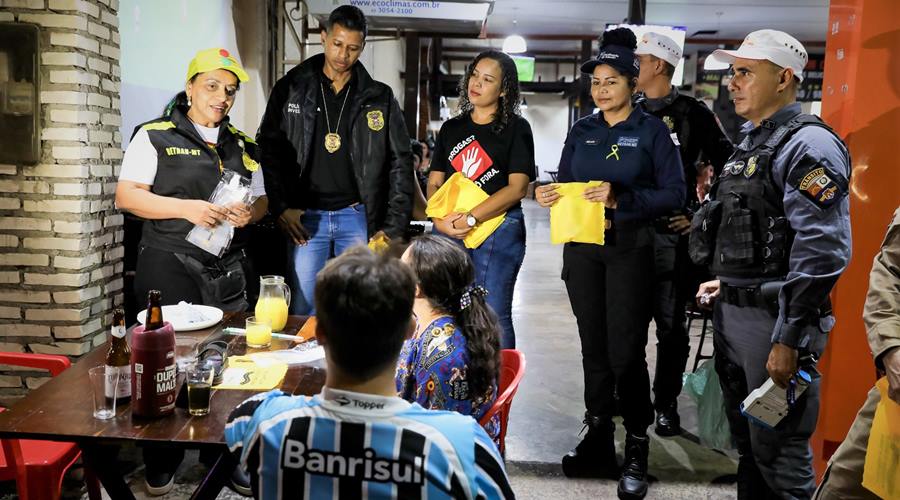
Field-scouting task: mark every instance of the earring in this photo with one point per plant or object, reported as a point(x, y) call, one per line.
point(189, 101)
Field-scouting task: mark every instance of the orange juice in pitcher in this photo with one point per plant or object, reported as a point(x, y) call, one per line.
point(274, 298)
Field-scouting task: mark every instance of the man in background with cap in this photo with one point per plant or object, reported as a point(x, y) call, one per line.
point(776, 233)
point(336, 151)
point(694, 129)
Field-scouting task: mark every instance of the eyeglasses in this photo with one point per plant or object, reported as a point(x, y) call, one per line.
point(213, 86)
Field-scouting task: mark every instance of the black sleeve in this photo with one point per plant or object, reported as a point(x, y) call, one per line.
point(400, 190)
point(439, 162)
point(521, 152)
point(716, 146)
point(278, 156)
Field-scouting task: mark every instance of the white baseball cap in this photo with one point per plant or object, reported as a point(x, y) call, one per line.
point(661, 46)
point(775, 46)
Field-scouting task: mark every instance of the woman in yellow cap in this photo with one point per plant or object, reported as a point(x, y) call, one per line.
point(169, 171)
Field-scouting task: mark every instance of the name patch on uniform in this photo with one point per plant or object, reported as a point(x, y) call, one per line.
point(375, 120)
point(293, 108)
point(176, 151)
point(628, 142)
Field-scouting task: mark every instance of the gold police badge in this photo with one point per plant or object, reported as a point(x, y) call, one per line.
point(375, 120)
point(751, 166)
point(669, 122)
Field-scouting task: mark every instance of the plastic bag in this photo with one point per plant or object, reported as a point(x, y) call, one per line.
point(572, 218)
point(459, 194)
point(232, 188)
point(712, 422)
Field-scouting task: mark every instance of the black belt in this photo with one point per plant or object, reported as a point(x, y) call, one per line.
point(764, 296)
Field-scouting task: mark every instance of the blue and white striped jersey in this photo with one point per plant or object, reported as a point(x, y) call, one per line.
point(348, 445)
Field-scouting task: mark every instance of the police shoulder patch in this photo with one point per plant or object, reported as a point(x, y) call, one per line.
point(817, 183)
point(375, 120)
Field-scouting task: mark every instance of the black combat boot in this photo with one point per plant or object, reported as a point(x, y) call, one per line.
point(595, 456)
point(668, 423)
point(633, 483)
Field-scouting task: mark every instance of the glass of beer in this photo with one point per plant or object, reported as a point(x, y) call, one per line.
point(199, 386)
point(259, 332)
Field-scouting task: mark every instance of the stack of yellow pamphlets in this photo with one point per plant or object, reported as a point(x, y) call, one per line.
point(572, 218)
point(252, 374)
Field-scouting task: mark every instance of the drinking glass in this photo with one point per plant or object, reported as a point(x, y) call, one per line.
point(104, 407)
point(259, 332)
point(199, 386)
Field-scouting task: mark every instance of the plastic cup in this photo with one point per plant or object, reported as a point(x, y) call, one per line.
point(259, 332)
point(199, 387)
point(104, 407)
point(185, 352)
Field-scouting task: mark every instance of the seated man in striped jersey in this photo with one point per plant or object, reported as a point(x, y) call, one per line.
point(357, 439)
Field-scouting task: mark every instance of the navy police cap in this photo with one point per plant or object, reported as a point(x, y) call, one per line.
point(617, 56)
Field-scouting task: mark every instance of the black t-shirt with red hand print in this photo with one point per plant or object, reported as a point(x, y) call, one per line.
point(483, 155)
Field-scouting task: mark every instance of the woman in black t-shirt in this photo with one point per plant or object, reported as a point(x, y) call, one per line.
point(491, 144)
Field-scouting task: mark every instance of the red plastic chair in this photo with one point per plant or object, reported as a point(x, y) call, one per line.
point(38, 466)
point(512, 369)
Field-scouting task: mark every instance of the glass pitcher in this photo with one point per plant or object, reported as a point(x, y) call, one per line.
point(274, 299)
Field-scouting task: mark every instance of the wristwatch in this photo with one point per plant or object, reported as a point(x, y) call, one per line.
point(471, 220)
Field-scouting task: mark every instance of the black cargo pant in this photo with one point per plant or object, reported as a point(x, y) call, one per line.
point(610, 290)
point(670, 295)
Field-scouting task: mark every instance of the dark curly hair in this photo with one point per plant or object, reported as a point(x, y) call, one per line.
point(444, 271)
point(510, 97)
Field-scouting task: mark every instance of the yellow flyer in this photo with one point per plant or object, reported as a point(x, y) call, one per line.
point(252, 374)
point(572, 218)
point(882, 471)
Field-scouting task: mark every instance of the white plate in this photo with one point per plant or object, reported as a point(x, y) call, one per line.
point(181, 320)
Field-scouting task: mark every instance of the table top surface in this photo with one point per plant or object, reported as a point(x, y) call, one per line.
point(62, 409)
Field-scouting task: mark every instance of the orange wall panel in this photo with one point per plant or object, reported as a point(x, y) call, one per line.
point(861, 100)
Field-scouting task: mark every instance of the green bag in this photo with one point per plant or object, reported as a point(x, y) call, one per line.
point(703, 386)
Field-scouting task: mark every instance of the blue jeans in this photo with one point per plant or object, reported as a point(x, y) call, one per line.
point(331, 232)
point(497, 262)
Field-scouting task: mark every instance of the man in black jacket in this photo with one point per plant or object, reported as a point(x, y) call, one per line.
point(336, 154)
point(694, 129)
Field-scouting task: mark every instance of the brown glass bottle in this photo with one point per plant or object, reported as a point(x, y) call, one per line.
point(118, 360)
point(154, 319)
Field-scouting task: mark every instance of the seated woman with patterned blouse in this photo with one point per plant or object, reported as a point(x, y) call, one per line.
point(453, 359)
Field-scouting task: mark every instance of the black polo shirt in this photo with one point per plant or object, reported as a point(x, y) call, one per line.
point(329, 183)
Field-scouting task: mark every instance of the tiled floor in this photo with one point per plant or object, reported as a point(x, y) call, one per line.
point(546, 415)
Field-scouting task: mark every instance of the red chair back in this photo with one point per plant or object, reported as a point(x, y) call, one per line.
point(512, 369)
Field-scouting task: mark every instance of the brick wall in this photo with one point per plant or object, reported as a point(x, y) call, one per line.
point(60, 237)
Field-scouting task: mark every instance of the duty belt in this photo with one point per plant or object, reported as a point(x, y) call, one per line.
point(750, 296)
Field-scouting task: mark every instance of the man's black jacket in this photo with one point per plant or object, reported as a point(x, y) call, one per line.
point(379, 145)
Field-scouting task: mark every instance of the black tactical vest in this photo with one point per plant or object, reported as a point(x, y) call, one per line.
point(754, 238)
point(188, 168)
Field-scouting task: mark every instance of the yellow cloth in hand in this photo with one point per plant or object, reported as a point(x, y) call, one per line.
point(252, 374)
point(880, 475)
point(461, 195)
point(572, 218)
point(379, 243)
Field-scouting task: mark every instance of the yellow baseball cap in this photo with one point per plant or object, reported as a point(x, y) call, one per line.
point(213, 59)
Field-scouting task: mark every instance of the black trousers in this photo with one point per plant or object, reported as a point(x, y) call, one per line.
point(670, 296)
point(610, 289)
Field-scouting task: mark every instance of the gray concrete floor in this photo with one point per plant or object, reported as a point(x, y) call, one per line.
point(547, 411)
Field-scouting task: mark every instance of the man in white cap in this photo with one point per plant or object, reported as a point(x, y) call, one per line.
point(776, 233)
point(694, 130)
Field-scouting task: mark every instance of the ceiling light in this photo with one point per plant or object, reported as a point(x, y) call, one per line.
point(514, 44)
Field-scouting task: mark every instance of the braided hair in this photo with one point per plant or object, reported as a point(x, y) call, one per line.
point(510, 95)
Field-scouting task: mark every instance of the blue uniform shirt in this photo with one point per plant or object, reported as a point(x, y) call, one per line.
point(636, 155)
point(821, 248)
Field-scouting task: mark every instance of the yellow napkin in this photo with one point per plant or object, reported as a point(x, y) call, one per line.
point(572, 218)
point(249, 374)
point(459, 194)
point(882, 455)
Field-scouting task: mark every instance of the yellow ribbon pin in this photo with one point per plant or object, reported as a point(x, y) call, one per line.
point(615, 151)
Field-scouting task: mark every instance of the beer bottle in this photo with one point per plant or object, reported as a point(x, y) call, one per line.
point(118, 360)
point(154, 320)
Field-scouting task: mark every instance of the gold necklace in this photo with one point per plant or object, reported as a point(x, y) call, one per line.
point(333, 139)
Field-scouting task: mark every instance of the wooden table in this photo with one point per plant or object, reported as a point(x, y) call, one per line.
point(61, 410)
